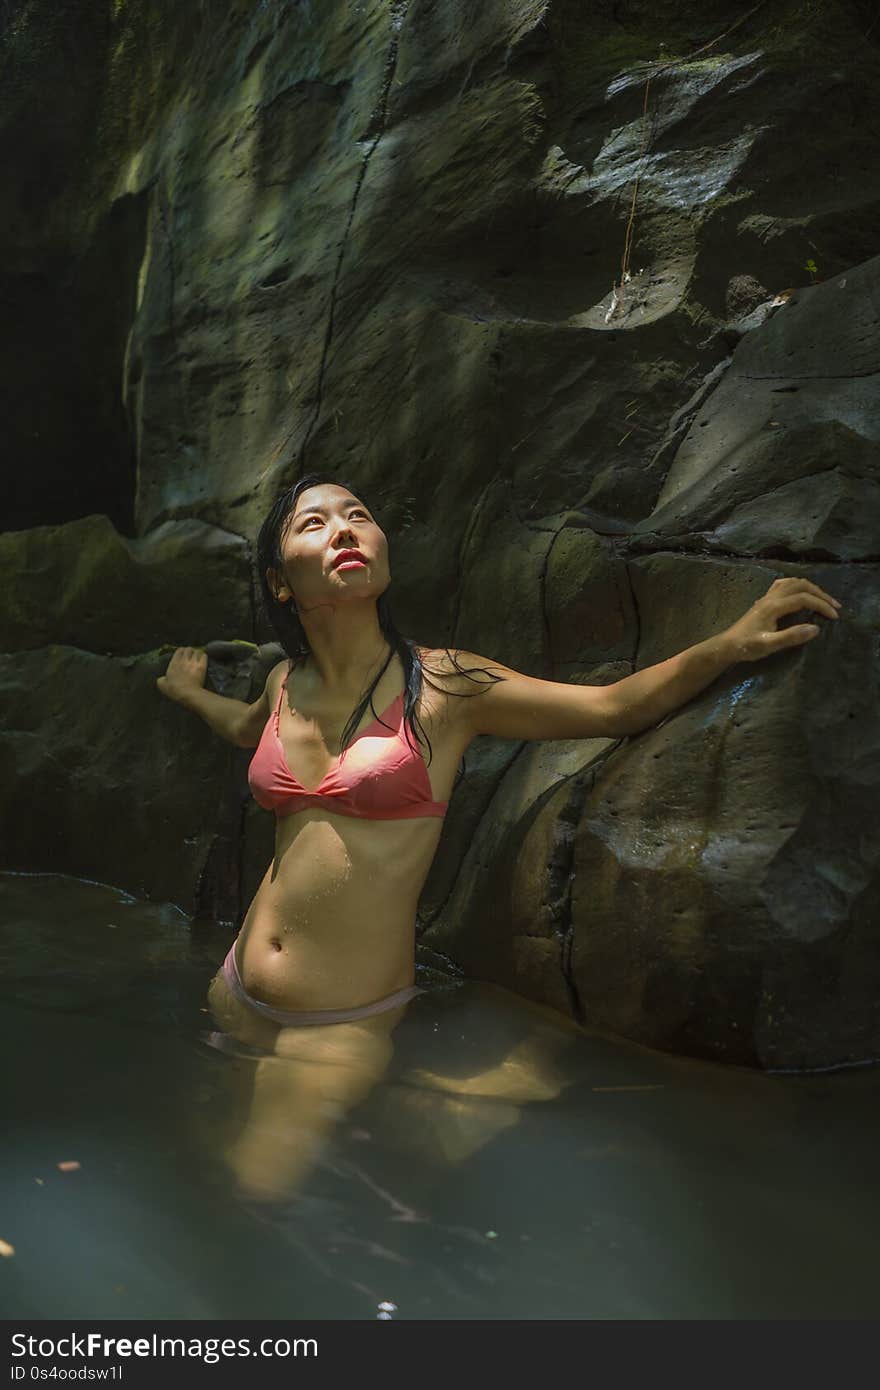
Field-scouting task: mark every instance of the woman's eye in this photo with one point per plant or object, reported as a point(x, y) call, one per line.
point(355, 512)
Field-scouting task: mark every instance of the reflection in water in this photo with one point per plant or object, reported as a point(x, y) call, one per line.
point(482, 1159)
point(306, 1080)
point(297, 1098)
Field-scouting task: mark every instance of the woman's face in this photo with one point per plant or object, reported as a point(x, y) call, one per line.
point(327, 521)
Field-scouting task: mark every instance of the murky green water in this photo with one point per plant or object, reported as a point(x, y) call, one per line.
point(508, 1165)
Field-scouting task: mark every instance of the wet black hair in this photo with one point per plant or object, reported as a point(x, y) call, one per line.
point(284, 619)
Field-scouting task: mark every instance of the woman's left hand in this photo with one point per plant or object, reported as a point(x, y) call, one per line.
point(755, 634)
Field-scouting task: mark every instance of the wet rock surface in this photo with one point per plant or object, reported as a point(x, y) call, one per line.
point(85, 585)
point(94, 784)
point(585, 304)
point(783, 458)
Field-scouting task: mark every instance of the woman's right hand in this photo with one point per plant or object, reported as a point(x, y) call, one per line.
point(185, 672)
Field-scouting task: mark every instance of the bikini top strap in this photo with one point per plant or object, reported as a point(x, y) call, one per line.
point(280, 698)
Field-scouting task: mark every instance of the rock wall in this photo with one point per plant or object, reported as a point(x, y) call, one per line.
point(582, 297)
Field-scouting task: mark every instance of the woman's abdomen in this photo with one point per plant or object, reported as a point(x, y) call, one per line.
point(332, 924)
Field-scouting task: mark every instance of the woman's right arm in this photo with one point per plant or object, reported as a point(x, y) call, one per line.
point(234, 720)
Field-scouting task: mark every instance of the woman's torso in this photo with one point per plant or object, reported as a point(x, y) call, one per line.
point(332, 925)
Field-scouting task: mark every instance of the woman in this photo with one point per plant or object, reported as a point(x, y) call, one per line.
point(358, 739)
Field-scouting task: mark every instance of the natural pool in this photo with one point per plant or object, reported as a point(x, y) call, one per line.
point(510, 1165)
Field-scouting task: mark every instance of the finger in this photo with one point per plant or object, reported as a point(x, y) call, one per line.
point(818, 591)
point(791, 580)
point(802, 598)
point(795, 636)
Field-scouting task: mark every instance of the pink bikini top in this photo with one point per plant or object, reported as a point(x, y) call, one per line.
point(379, 776)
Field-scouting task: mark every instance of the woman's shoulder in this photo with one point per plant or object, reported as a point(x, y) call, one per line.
point(437, 662)
point(454, 663)
point(275, 676)
point(452, 677)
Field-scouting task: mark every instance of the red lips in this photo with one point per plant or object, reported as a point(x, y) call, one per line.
point(348, 555)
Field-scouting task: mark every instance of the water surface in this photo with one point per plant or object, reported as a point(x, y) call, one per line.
point(509, 1164)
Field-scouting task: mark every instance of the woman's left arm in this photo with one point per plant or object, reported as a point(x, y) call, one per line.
point(523, 707)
